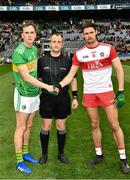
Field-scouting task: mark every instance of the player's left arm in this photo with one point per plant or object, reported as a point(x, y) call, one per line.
point(120, 96)
point(120, 73)
point(74, 89)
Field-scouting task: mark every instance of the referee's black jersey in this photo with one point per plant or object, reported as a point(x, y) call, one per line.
point(53, 69)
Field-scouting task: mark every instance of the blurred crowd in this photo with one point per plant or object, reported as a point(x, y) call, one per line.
point(116, 33)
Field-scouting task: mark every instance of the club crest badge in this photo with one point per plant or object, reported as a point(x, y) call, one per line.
point(23, 107)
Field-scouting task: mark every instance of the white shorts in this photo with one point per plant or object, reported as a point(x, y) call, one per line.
point(25, 104)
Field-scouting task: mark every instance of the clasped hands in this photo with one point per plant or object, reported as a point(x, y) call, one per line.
point(54, 89)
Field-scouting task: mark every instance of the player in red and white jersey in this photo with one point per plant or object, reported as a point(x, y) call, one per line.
point(96, 60)
point(96, 64)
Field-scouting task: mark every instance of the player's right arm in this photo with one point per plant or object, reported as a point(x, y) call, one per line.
point(19, 61)
point(73, 70)
point(69, 77)
point(23, 70)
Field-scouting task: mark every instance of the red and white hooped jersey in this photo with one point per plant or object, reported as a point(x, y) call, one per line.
point(96, 65)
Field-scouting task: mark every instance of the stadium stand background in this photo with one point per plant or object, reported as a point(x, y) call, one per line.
point(113, 24)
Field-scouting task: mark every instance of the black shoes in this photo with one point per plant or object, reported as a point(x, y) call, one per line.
point(125, 167)
point(96, 160)
point(62, 158)
point(43, 159)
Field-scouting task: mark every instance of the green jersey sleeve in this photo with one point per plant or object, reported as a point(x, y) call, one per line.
point(18, 58)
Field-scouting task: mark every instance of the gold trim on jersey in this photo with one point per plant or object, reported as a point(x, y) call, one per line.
point(32, 66)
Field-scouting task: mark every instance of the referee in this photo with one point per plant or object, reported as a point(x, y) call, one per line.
point(52, 68)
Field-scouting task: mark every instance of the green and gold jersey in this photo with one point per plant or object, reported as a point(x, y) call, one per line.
point(25, 56)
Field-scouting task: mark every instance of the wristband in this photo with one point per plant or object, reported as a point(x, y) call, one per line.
point(75, 95)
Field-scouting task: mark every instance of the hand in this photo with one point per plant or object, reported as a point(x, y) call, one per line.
point(52, 90)
point(57, 88)
point(74, 104)
point(120, 99)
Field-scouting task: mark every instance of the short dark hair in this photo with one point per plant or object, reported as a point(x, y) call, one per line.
point(27, 23)
point(57, 34)
point(89, 24)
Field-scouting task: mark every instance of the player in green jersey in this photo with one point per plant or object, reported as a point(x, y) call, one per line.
point(26, 96)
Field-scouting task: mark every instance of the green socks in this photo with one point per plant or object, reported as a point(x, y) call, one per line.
point(19, 157)
point(25, 149)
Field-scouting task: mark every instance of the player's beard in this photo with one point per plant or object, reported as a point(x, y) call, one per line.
point(91, 41)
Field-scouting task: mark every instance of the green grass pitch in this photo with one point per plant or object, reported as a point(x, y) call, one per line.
point(79, 146)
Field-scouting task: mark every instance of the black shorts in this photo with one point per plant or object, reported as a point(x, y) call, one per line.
point(58, 107)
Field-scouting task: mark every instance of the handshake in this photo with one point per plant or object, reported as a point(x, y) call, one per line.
point(56, 89)
point(120, 99)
